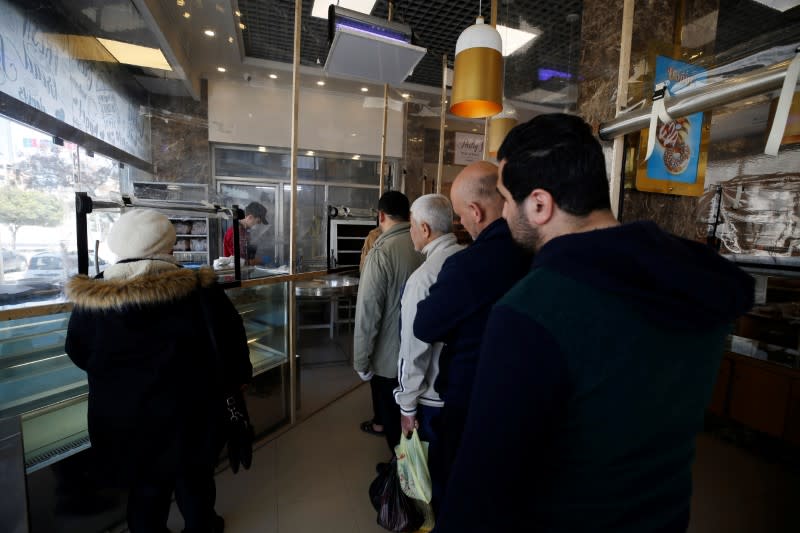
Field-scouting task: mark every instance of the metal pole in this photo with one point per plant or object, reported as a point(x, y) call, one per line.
point(381, 169)
point(703, 99)
point(440, 169)
point(618, 150)
point(83, 206)
point(486, 125)
point(383, 138)
point(292, 311)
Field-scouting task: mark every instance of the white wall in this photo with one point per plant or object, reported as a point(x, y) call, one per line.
point(241, 114)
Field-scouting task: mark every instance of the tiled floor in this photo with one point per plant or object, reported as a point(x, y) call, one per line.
point(314, 479)
point(311, 479)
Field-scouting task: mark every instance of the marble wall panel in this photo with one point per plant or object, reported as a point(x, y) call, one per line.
point(654, 26)
point(600, 42)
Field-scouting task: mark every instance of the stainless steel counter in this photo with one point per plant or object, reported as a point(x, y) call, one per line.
point(327, 286)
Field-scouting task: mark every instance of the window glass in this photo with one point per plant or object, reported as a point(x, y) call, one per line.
point(38, 177)
point(274, 163)
point(251, 163)
point(359, 198)
point(360, 171)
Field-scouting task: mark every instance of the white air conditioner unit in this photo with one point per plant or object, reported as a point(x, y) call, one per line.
point(366, 47)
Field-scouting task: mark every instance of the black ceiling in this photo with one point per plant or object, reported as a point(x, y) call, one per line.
point(436, 25)
point(744, 26)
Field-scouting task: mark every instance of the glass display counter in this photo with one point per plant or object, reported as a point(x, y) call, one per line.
point(758, 385)
point(39, 383)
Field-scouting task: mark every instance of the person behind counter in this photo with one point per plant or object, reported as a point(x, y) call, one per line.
point(156, 410)
point(596, 368)
point(254, 214)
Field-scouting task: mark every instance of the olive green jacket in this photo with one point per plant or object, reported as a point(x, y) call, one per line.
point(377, 330)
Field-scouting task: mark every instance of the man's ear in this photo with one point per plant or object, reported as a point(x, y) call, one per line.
point(381, 217)
point(426, 230)
point(476, 212)
point(539, 207)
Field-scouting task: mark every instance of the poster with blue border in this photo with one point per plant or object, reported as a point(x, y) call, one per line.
point(677, 149)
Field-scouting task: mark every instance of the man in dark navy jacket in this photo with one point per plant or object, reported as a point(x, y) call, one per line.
point(456, 310)
point(577, 424)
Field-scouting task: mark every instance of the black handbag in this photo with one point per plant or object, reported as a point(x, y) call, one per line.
point(239, 433)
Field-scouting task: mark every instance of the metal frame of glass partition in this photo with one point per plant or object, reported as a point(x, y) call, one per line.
point(263, 171)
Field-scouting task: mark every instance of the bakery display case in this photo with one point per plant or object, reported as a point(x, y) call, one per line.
point(758, 385)
point(41, 385)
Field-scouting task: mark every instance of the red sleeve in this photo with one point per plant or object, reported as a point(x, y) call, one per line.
point(227, 243)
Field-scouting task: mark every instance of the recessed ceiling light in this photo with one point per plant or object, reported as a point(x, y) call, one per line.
point(310, 152)
point(474, 129)
point(273, 76)
point(354, 134)
point(356, 156)
point(405, 95)
point(242, 26)
point(221, 69)
point(262, 148)
point(320, 83)
point(364, 89)
point(514, 39)
point(180, 3)
point(230, 39)
point(238, 13)
point(186, 14)
point(320, 9)
point(209, 33)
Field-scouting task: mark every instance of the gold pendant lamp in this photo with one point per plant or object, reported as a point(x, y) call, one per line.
point(499, 126)
point(478, 72)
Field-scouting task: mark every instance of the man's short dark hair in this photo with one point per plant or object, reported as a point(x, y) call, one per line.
point(395, 205)
point(558, 153)
point(257, 210)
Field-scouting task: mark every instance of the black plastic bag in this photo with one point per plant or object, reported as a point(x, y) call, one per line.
point(396, 511)
point(240, 432)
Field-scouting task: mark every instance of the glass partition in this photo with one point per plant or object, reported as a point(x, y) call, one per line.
point(262, 243)
point(311, 230)
point(325, 179)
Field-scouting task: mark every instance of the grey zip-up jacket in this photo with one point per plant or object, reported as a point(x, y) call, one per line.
point(377, 329)
point(418, 364)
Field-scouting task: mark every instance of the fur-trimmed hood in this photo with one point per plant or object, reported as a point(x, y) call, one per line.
point(148, 289)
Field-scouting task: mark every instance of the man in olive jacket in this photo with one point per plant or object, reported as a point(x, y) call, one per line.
point(377, 329)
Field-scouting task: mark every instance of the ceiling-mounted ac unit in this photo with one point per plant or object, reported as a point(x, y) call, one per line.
point(366, 47)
